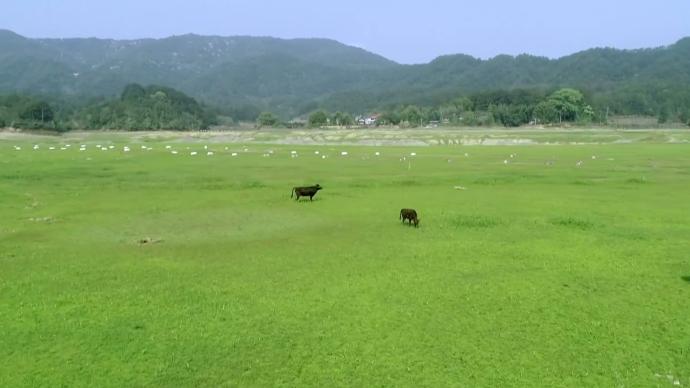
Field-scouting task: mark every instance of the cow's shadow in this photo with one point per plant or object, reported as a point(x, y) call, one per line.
point(306, 200)
point(686, 278)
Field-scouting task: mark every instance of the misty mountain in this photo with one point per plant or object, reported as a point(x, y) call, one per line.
point(294, 76)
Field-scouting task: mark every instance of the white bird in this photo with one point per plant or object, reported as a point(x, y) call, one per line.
point(111, 147)
point(209, 153)
point(168, 147)
point(234, 154)
point(51, 148)
point(594, 157)
point(17, 148)
point(467, 155)
point(193, 153)
point(205, 147)
point(36, 147)
point(344, 153)
point(377, 153)
point(505, 161)
point(579, 163)
point(323, 156)
point(174, 152)
point(316, 152)
point(293, 152)
point(413, 154)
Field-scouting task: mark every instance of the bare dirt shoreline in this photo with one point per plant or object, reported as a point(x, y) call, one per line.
point(373, 137)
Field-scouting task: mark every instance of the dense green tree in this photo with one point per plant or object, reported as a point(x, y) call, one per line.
point(469, 118)
point(318, 118)
point(462, 104)
point(266, 119)
point(391, 117)
point(547, 112)
point(512, 115)
point(431, 114)
point(342, 119)
point(38, 111)
point(412, 115)
point(564, 105)
point(448, 112)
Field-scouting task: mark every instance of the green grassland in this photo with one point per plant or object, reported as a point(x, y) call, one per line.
point(524, 271)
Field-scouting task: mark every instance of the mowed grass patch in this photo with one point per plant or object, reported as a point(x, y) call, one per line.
point(521, 278)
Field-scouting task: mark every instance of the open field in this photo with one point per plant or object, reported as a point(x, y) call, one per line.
point(566, 264)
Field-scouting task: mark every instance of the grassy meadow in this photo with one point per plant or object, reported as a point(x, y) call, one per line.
point(563, 265)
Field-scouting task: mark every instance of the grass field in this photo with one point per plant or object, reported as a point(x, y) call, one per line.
point(548, 268)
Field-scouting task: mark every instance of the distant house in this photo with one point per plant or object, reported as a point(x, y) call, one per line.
point(368, 120)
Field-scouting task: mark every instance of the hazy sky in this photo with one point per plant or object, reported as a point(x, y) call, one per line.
point(405, 31)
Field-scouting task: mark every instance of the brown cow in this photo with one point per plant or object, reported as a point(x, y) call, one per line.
point(409, 214)
point(307, 191)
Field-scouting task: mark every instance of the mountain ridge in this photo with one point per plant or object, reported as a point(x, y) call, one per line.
point(293, 76)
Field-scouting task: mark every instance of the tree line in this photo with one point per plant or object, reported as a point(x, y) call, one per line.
point(509, 108)
point(162, 108)
point(137, 108)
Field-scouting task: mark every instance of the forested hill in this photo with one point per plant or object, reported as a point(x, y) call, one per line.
point(243, 75)
point(642, 81)
point(220, 71)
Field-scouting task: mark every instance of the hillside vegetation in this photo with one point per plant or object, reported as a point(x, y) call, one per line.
point(243, 76)
point(138, 108)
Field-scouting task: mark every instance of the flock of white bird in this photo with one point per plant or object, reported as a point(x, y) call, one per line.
point(169, 148)
point(268, 153)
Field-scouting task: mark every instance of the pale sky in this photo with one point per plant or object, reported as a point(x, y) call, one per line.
point(404, 31)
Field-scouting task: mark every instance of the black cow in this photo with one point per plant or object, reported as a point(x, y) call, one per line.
point(409, 214)
point(307, 191)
